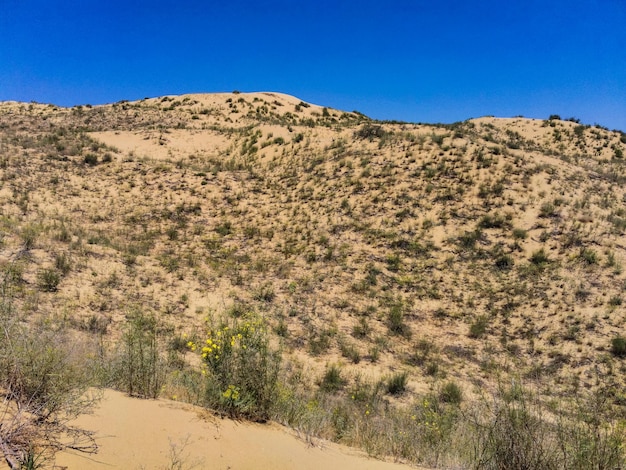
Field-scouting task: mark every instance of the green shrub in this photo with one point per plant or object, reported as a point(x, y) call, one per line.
point(396, 384)
point(504, 262)
point(468, 239)
point(370, 131)
point(618, 346)
point(588, 256)
point(91, 159)
point(48, 280)
point(547, 209)
point(615, 301)
point(29, 235)
point(493, 221)
point(332, 380)
point(395, 321)
point(361, 329)
point(520, 234)
point(62, 263)
point(478, 327)
point(140, 369)
point(539, 258)
point(240, 366)
point(451, 393)
point(349, 350)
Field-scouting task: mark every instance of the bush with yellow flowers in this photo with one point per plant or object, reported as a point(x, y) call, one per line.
point(240, 367)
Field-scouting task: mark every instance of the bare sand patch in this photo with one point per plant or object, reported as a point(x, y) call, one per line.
point(134, 433)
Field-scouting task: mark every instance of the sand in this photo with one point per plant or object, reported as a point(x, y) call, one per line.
point(151, 434)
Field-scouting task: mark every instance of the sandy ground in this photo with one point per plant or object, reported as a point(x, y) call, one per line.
point(155, 434)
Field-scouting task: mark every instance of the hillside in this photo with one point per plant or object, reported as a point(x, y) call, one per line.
point(446, 257)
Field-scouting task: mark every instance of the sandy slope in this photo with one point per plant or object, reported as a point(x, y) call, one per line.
point(134, 434)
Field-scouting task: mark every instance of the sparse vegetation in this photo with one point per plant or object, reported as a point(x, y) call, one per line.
point(368, 282)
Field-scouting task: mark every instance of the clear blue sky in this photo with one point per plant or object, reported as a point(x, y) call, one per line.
point(427, 61)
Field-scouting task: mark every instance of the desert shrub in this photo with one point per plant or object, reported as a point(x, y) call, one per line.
point(520, 234)
point(319, 342)
point(139, 366)
point(579, 131)
point(332, 379)
point(29, 234)
point(40, 372)
point(396, 384)
point(588, 256)
point(62, 263)
point(478, 327)
point(395, 321)
point(44, 376)
point(539, 258)
point(349, 350)
point(370, 131)
point(48, 280)
point(517, 431)
point(591, 438)
point(468, 240)
point(493, 221)
point(615, 301)
point(240, 366)
point(510, 435)
point(618, 346)
point(547, 209)
point(12, 275)
point(451, 393)
point(265, 293)
point(361, 329)
point(91, 159)
point(504, 262)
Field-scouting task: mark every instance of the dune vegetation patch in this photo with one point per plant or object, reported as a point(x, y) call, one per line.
point(449, 295)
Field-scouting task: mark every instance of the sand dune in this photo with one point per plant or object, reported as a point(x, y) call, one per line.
point(154, 434)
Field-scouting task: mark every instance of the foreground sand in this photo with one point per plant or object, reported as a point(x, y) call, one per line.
point(151, 434)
